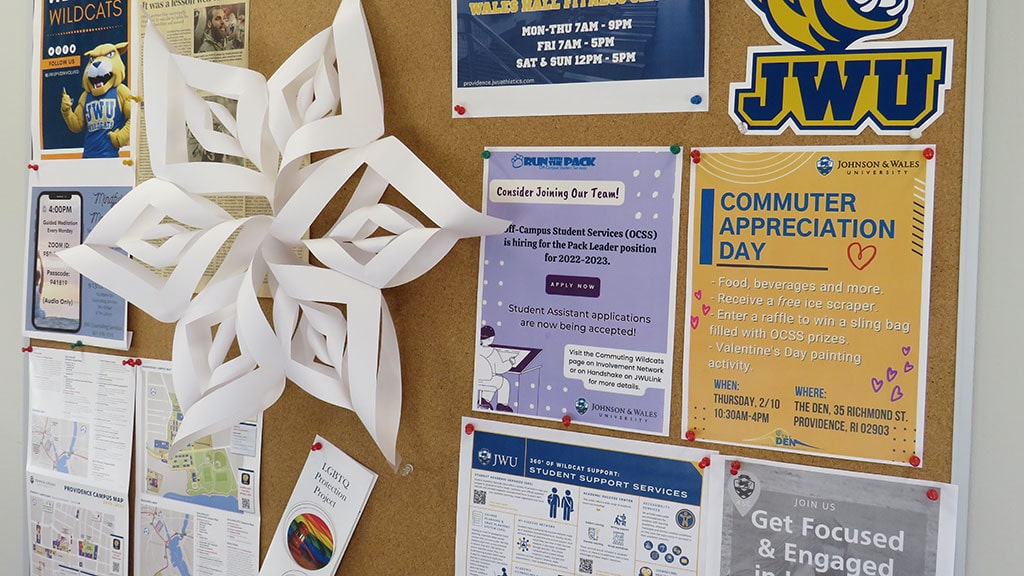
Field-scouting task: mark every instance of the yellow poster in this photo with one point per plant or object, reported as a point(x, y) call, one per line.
point(808, 299)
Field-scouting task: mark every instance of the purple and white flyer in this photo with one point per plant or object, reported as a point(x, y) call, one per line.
point(576, 306)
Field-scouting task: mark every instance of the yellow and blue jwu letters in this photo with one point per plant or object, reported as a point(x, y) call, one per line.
point(830, 77)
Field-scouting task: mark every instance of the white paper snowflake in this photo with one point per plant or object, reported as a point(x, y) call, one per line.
point(347, 359)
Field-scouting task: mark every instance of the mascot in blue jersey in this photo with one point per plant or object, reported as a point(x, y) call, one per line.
point(105, 107)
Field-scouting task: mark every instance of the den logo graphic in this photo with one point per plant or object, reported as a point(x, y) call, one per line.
point(780, 439)
point(832, 76)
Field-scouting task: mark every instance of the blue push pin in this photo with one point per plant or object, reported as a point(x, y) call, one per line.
point(696, 100)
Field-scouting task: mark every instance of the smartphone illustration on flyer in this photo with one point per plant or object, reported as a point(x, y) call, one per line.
point(57, 289)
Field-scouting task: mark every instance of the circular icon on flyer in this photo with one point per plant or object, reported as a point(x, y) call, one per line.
point(310, 540)
point(648, 545)
point(655, 555)
point(646, 571)
point(677, 550)
point(685, 519)
point(662, 548)
point(684, 560)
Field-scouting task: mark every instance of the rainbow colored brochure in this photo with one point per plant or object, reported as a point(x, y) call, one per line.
point(321, 515)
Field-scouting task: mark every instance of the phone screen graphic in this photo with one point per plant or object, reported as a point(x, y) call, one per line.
point(57, 288)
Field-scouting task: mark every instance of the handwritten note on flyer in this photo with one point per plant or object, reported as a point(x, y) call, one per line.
point(807, 299)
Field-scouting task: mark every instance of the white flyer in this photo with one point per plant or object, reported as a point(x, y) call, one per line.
point(541, 502)
point(196, 510)
point(74, 529)
point(80, 417)
point(321, 515)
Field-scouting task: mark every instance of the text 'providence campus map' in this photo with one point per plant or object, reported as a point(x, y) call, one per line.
point(69, 539)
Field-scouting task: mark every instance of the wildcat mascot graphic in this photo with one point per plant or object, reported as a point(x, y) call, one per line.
point(104, 109)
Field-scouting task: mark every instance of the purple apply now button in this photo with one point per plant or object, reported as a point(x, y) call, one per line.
point(573, 286)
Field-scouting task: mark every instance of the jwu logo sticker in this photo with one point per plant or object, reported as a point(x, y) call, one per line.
point(832, 76)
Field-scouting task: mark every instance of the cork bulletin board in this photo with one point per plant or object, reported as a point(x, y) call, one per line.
point(409, 523)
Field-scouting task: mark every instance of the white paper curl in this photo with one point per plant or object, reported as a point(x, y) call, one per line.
point(348, 359)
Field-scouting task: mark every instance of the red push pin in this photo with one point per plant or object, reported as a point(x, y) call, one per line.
point(915, 461)
point(929, 153)
point(316, 446)
point(469, 429)
point(34, 167)
point(26, 349)
point(138, 361)
point(460, 109)
point(933, 494)
point(734, 468)
point(566, 420)
point(704, 462)
point(127, 362)
point(691, 435)
point(695, 156)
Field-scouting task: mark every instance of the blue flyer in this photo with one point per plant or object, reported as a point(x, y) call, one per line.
point(565, 57)
point(61, 304)
point(82, 98)
point(537, 502)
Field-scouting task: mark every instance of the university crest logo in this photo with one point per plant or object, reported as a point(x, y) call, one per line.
point(831, 75)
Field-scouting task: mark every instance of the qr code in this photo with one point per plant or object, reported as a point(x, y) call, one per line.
point(480, 497)
point(586, 566)
point(115, 567)
point(246, 504)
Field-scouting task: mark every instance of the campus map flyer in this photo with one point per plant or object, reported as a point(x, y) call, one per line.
point(79, 457)
point(576, 307)
point(538, 502)
point(197, 510)
point(788, 520)
point(75, 529)
point(807, 299)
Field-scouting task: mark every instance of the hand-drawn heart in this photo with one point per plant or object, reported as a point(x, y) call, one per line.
point(705, 309)
point(897, 393)
point(906, 350)
point(861, 256)
point(877, 384)
point(891, 374)
point(698, 294)
point(694, 322)
point(908, 367)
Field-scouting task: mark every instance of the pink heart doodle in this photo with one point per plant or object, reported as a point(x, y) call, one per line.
point(698, 294)
point(705, 309)
point(891, 374)
point(877, 384)
point(908, 367)
point(694, 322)
point(906, 350)
point(897, 393)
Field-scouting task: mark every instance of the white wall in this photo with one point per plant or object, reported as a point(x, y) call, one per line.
point(14, 113)
point(997, 470)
